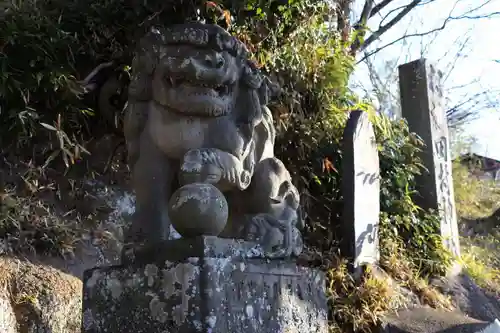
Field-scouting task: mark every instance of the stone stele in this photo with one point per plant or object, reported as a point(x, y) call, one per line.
point(361, 190)
point(205, 284)
point(422, 106)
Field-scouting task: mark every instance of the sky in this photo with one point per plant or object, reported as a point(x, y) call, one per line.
point(476, 42)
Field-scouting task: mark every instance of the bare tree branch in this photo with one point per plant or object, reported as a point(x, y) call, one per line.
point(470, 107)
point(365, 14)
point(379, 7)
point(455, 59)
point(361, 25)
point(399, 8)
point(369, 54)
point(460, 109)
point(462, 86)
point(475, 17)
point(376, 35)
point(369, 10)
point(479, 7)
point(384, 28)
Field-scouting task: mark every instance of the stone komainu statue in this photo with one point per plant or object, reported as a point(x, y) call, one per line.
point(197, 114)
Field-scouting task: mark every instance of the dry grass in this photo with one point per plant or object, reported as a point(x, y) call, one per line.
point(476, 199)
point(47, 211)
point(478, 207)
point(30, 226)
point(477, 262)
point(360, 307)
point(407, 276)
point(30, 222)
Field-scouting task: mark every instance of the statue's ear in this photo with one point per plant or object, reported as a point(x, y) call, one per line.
point(248, 112)
point(144, 64)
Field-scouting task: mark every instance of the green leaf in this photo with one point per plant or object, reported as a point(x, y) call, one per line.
point(51, 158)
point(39, 77)
point(49, 127)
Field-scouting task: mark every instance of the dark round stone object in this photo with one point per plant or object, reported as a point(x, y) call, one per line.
point(198, 209)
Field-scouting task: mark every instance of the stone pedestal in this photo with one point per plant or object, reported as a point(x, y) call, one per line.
point(204, 284)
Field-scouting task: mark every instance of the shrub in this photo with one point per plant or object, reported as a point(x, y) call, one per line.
point(478, 206)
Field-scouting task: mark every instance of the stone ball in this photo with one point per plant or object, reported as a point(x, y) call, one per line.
point(198, 209)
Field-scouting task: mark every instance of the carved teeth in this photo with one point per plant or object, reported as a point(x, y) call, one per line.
point(219, 88)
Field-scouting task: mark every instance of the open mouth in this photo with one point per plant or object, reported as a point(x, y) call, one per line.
point(219, 89)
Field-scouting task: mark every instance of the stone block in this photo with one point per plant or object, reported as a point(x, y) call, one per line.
point(427, 320)
point(205, 284)
point(494, 327)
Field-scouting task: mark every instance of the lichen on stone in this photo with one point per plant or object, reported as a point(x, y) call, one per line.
point(88, 319)
point(114, 286)
point(208, 294)
point(151, 272)
point(38, 299)
point(157, 309)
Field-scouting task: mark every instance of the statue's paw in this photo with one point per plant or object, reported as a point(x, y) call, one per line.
point(273, 241)
point(255, 228)
point(271, 234)
point(192, 162)
point(197, 167)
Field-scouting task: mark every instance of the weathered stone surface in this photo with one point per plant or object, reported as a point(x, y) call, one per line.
point(38, 299)
point(361, 191)
point(202, 246)
point(422, 106)
point(427, 320)
point(211, 285)
point(494, 327)
point(471, 299)
point(198, 209)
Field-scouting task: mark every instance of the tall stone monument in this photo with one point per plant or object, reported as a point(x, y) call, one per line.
point(422, 106)
point(200, 140)
point(361, 192)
